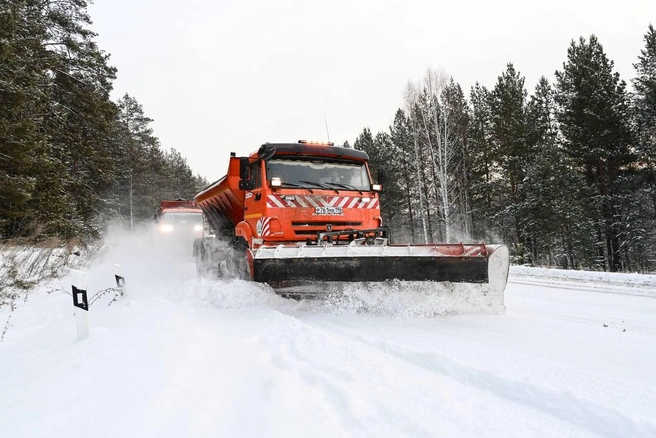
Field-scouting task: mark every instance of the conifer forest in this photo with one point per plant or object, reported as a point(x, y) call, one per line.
point(71, 159)
point(564, 174)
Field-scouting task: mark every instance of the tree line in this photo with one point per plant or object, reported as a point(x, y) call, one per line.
point(71, 159)
point(566, 176)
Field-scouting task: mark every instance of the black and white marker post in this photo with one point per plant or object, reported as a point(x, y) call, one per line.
point(81, 303)
point(120, 279)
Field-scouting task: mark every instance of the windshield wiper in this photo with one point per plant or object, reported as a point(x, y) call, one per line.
point(345, 186)
point(322, 185)
point(287, 184)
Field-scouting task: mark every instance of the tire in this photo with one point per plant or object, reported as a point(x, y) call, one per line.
point(199, 258)
point(237, 264)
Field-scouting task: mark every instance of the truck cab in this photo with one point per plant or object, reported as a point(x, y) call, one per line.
point(293, 192)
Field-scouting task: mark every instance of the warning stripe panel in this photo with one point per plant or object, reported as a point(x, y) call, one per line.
point(263, 228)
point(304, 201)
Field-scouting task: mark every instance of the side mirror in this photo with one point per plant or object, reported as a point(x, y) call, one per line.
point(155, 217)
point(244, 182)
point(265, 152)
point(243, 168)
point(381, 176)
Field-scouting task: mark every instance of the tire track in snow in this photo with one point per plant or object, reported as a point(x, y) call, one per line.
point(286, 355)
point(411, 403)
point(585, 414)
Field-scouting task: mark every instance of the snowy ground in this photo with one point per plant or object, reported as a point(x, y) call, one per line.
point(574, 355)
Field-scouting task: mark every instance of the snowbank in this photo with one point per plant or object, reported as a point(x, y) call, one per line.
point(612, 282)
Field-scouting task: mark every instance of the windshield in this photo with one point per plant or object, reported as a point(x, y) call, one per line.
point(182, 218)
point(319, 173)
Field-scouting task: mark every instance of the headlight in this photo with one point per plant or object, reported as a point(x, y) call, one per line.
point(198, 228)
point(166, 228)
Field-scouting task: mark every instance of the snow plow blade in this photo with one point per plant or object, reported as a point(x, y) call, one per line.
point(477, 272)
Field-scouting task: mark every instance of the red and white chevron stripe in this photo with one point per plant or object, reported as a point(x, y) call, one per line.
point(263, 228)
point(297, 201)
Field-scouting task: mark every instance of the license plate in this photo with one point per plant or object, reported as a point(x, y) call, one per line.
point(328, 210)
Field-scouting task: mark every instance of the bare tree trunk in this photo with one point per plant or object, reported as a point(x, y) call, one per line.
point(131, 203)
point(420, 184)
point(408, 198)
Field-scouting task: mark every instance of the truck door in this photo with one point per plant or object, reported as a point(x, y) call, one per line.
point(254, 202)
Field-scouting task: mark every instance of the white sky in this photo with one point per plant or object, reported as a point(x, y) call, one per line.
point(222, 76)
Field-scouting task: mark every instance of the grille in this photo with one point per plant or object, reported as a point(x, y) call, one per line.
point(314, 227)
point(324, 223)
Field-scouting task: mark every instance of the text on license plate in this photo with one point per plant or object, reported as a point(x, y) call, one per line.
point(328, 210)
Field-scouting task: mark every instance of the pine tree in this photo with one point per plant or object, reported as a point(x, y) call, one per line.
point(382, 157)
point(639, 212)
point(593, 116)
point(23, 101)
point(645, 111)
point(403, 153)
point(141, 163)
point(481, 167)
point(508, 126)
point(645, 98)
point(57, 85)
point(181, 180)
point(558, 229)
point(412, 101)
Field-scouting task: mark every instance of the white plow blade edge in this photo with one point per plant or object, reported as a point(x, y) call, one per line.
point(428, 298)
point(434, 297)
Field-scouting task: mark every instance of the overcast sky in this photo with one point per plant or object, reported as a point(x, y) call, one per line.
point(222, 76)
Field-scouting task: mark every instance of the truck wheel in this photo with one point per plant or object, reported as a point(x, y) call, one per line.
point(200, 268)
point(237, 264)
point(200, 258)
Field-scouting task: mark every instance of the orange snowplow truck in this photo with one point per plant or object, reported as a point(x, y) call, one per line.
point(305, 218)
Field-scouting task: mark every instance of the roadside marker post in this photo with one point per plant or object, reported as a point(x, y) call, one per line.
point(120, 279)
point(81, 303)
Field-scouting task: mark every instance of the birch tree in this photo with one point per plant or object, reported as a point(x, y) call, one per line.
point(438, 125)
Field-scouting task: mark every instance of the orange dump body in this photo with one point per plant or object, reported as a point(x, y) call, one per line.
point(267, 214)
point(223, 201)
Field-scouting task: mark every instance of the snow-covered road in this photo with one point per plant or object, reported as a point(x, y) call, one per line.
point(190, 357)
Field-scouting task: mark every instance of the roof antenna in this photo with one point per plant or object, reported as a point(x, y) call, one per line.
point(326, 121)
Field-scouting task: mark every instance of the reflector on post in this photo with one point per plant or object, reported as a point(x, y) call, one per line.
point(81, 303)
point(120, 279)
